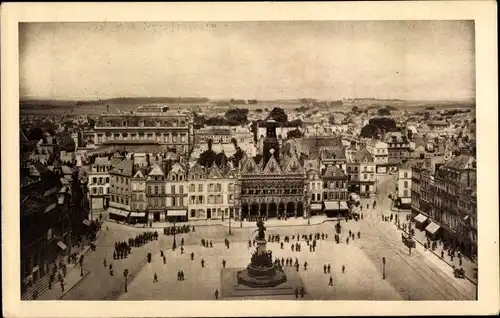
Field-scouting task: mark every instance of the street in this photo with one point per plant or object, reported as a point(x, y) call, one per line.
point(419, 276)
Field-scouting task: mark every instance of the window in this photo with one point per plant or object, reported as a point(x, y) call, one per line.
point(192, 199)
point(365, 176)
point(406, 175)
point(126, 201)
point(162, 190)
point(156, 189)
point(172, 189)
point(100, 190)
point(94, 190)
point(200, 188)
point(192, 188)
point(193, 213)
point(149, 189)
point(230, 187)
point(406, 184)
point(94, 180)
point(107, 179)
point(181, 177)
point(313, 196)
point(210, 199)
point(200, 200)
point(121, 180)
point(218, 187)
point(126, 181)
point(100, 180)
point(211, 187)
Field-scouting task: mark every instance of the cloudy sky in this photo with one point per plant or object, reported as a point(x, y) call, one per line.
point(424, 60)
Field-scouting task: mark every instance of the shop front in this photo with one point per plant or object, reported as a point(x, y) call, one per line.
point(176, 216)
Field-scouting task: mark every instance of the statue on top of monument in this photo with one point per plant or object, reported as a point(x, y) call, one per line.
point(261, 229)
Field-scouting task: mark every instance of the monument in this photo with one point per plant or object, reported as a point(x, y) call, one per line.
point(263, 277)
point(261, 272)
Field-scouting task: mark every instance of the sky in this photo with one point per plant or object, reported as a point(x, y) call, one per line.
point(326, 60)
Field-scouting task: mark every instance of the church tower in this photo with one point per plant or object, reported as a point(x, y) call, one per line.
point(271, 141)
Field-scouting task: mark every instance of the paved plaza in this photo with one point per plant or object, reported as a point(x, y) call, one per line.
point(419, 276)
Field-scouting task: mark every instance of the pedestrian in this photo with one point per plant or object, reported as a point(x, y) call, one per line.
point(178, 275)
point(281, 245)
point(330, 283)
point(155, 278)
point(192, 256)
point(223, 263)
point(324, 269)
point(161, 253)
point(293, 247)
point(216, 294)
point(302, 292)
point(164, 260)
point(305, 266)
point(359, 234)
point(104, 262)
point(343, 269)
point(62, 286)
point(328, 268)
point(282, 261)
point(182, 250)
point(211, 245)
point(347, 240)
point(182, 241)
point(202, 263)
point(296, 293)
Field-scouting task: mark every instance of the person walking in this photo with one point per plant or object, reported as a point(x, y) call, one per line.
point(192, 256)
point(328, 268)
point(343, 269)
point(164, 260)
point(216, 294)
point(202, 263)
point(296, 293)
point(155, 278)
point(305, 266)
point(330, 282)
point(302, 292)
point(324, 269)
point(104, 263)
point(223, 263)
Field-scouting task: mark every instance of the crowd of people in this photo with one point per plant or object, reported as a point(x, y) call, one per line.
point(182, 229)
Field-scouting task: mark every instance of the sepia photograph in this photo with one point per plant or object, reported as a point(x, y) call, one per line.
point(192, 160)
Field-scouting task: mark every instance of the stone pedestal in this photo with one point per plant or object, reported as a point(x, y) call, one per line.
point(261, 272)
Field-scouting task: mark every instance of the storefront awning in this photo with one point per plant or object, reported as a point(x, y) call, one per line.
point(118, 212)
point(332, 205)
point(137, 214)
point(420, 218)
point(316, 206)
point(176, 212)
point(86, 222)
point(343, 205)
point(432, 228)
point(61, 245)
point(405, 200)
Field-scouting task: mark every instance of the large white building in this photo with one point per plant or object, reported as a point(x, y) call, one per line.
point(380, 151)
point(211, 192)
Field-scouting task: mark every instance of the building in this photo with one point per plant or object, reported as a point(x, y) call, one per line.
point(314, 184)
point(177, 193)
point(138, 199)
point(98, 185)
point(156, 194)
point(404, 187)
point(216, 134)
point(380, 152)
point(398, 147)
point(335, 191)
point(120, 194)
point(271, 184)
point(148, 123)
point(467, 227)
point(46, 224)
point(450, 180)
point(361, 173)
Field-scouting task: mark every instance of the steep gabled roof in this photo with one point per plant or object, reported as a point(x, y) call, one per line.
point(334, 172)
point(461, 163)
point(294, 165)
point(196, 170)
point(363, 155)
point(124, 168)
point(249, 166)
point(157, 170)
point(272, 167)
point(214, 171)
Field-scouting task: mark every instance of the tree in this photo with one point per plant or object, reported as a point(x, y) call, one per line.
point(295, 123)
point(384, 112)
point(355, 110)
point(259, 110)
point(66, 143)
point(370, 131)
point(331, 120)
point(279, 115)
point(384, 123)
point(296, 133)
point(236, 116)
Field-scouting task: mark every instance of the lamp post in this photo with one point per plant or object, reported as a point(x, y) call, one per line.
point(383, 267)
point(125, 275)
point(81, 266)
